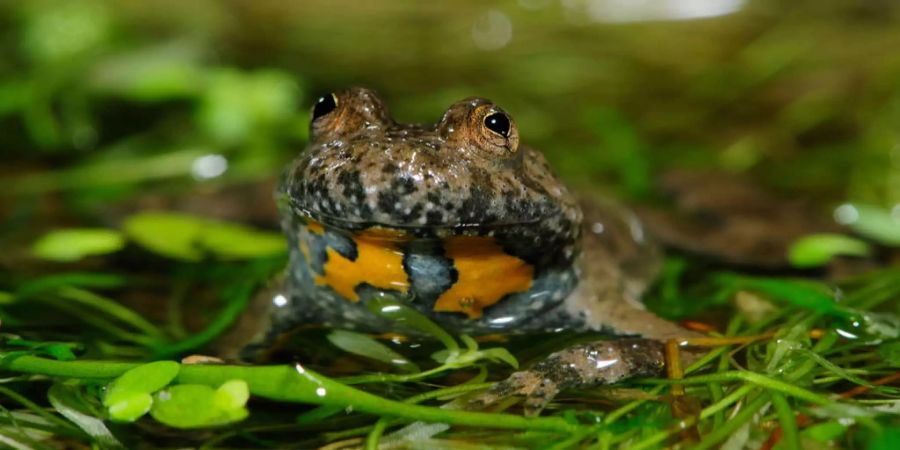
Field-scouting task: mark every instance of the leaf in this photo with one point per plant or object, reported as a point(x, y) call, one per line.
point(232, 395)
point(60, 352)
point(169, 234)
point(193, 406)
point(236, 105)
point(873, 222)
point(71, 279)
point(157, 73)
point(143, 379)
point(190, 238)
point(406, 316)
point(502, 355)
point(128, 406)
point(818, 249)
point(73, 244)
point(890, 352)
point(64, 400)
point(825, 432)
point(231, 241)
point(886, 440)
point(802, 293)
point(363, 345)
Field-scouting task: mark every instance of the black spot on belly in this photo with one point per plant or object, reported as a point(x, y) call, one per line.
point(345, 246)
point(430, 271)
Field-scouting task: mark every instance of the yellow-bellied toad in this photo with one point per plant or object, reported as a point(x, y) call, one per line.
point(471, 229)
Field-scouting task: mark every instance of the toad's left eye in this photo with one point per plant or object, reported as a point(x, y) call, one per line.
point(498, 123)
point(325, 105)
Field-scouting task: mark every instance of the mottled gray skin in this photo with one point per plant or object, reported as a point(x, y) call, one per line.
point(454, 178)
point(361, 168)
point(460, 178)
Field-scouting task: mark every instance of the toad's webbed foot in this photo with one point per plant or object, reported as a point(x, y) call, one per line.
point(581, 366)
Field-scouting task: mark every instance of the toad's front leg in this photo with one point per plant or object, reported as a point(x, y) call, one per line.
point(580, 366)
point(600, 362)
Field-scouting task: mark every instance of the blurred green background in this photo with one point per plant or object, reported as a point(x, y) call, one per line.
point(110, 109)
point(104, 103)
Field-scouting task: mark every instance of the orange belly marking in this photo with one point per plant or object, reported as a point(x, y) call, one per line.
point(485, 275)
point(379, 262)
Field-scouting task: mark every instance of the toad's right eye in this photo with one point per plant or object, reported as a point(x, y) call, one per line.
point(325, 105)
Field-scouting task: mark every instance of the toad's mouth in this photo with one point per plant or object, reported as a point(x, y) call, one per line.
point(444, 229)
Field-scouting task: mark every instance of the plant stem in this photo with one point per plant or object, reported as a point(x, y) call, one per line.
point(733, 424)
point(789, 433)
point(755, 378)
point(292, 384)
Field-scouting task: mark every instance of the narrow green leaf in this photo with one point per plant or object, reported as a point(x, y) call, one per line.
point(873, 222)
point(818, 249)
point(406, 316)
point(802, 293)
point(70, 279)
point(501, 354)
point(363, 345)
point(76, 243)
point(890, 352)
point(190, 238)
point(886, 440)
point(62, 352)
point(172, 235)
point(231, 241)
point(64, 400)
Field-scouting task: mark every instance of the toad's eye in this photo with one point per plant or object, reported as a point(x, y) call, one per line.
point(325, 105)
point(498, 123)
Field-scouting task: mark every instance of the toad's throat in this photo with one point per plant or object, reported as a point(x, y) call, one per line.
point(476, 271)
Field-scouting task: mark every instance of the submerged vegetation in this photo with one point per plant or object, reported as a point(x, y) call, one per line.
point(140, 143)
